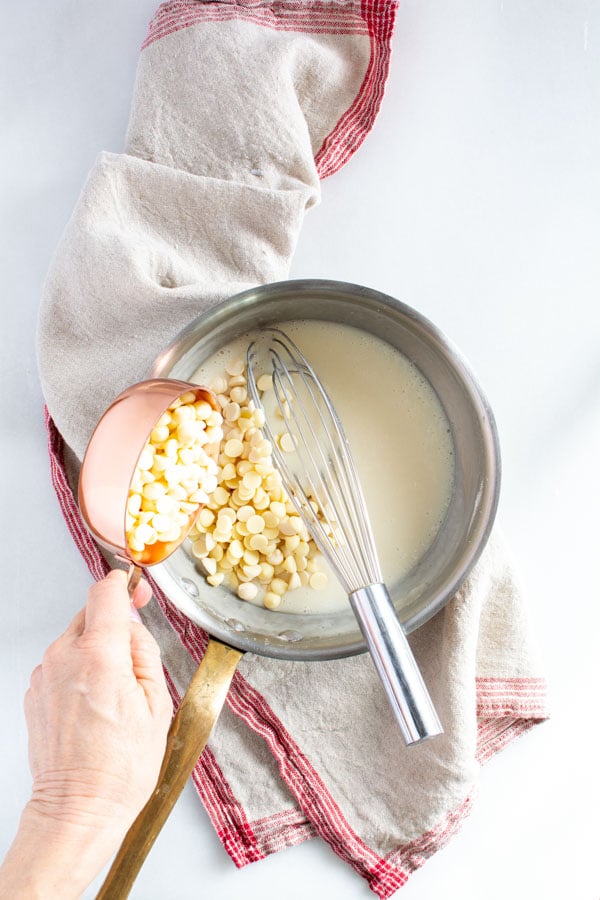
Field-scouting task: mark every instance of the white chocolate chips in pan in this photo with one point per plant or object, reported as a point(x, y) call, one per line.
point(249, 535)
point(174, 474)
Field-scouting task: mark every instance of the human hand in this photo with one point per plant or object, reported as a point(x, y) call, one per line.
point(98, 712)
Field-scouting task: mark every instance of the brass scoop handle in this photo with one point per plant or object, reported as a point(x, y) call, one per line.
point(134, 576)
point(187, 738)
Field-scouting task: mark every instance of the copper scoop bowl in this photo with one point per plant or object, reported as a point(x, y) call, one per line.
point(110, 462)
point(106, 476)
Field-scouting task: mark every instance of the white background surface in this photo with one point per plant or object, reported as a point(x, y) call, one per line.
point(476, 200)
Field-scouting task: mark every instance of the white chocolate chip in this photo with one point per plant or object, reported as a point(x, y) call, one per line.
point(235, 366)
point(218, 385)
point(231, 412)
point(216, 580)
point(278, 586)
point(233, 448)
point(271, 600)
point(209, 564)
point(287, 442)
point(264, 383)
point(238, 394)
point(247, 591)
point(318, 580)
point(255, 524)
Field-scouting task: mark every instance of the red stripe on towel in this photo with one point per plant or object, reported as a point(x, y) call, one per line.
point(83, 541)
point(494, 734)
point(506, 709)
point(519, 697)
point(306, 16)
point(356, 123)
point(284, 829)
point(413, 855)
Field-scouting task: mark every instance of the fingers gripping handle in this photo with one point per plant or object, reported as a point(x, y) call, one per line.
point(395, 663)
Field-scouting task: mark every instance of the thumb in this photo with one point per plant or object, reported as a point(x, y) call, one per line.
point(141, 596)
point(107, 610)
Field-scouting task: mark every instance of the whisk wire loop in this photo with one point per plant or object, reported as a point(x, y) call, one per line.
point(343, 479)
point(324, 467)
point(316, 467)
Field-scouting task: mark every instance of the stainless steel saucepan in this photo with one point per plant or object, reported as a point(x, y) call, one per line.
point(236, 626)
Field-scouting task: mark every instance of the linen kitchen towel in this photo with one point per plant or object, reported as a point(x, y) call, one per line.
point(239, 110)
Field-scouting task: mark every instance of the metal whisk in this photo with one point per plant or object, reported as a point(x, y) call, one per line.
point(320, 477)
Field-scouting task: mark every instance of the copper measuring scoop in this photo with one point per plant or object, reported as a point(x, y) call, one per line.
point(110, 462)
point(106, 474)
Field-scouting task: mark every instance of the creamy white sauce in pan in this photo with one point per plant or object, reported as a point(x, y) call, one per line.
point(398, 434)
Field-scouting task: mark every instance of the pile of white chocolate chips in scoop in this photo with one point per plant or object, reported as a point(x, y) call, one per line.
point(174, 474)
point(248, 533)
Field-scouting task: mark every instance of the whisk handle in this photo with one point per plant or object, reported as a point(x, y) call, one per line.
point(395, 663)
